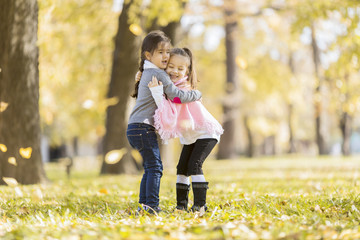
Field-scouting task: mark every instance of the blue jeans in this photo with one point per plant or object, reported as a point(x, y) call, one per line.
point(143, 138)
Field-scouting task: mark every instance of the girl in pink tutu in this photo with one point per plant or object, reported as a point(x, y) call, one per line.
point(196, 128)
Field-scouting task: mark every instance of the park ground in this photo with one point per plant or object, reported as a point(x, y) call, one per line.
point(263, 198)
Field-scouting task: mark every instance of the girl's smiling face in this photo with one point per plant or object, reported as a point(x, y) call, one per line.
point(177, 67)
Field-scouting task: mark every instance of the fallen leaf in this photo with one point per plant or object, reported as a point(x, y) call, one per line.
point(104, 191)
point(115, 156)
point(18, 192)
point(12, 161)
point(3, 148)
point(37, 194)
point(111, 101)
point(3, 106)
point(10, 181)
point(25, 152)
point(135, 29)
point(317, 208)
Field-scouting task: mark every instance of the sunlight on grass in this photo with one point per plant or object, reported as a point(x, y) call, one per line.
point(282, 198)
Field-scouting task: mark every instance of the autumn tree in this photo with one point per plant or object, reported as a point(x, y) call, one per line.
point(343, 74)
point(310, 16)
point(125, 61)
point(227, 143)
point(20, 156)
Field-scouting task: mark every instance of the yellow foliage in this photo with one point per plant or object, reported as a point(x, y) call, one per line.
point(76, 44)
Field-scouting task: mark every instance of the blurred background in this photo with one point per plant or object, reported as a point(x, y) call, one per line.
point(281, 76)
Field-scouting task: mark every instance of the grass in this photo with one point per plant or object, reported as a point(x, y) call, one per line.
point(279, 198)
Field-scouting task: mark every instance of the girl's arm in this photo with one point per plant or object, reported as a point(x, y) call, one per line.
point(175, 94)
point(156, 89)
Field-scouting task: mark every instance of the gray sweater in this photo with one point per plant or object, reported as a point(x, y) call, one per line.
point(145, 106)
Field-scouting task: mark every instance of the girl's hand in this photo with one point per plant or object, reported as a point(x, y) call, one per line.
point(138, 76)
point(154, 82)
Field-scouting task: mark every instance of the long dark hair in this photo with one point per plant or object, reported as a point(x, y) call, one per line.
point(149, 44)
point(185, 52)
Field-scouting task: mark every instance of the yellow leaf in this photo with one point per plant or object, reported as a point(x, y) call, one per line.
point(25, 152)
point(3, 106)
point(111, 101)
point(10, 181)
point(115, 156)
point(18, 192)
point(37, 194)
point(137, 156)
point(104, 191)
point(135, 29)
point(241, 62)
point(12, 161)
point(3, 148)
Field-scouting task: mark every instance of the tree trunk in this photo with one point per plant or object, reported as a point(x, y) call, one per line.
point(269, 147)
point(250, 148)
point(346, 126)
point(292, 148)
point(125, 63)
point(320, 139)
point(227, 143)
point(19, 87)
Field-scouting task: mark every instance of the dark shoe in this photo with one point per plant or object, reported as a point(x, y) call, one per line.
point(154, 210)
point(196, 208)
point(182, 196)
point(150, 210)
point(199, 190)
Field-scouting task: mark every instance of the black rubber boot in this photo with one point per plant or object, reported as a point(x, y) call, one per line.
point(199, 190)
point(182, 196)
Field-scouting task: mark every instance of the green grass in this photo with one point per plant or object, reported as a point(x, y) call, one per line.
point(284, 198)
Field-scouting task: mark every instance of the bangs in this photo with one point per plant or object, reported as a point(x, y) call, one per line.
point(163, 45)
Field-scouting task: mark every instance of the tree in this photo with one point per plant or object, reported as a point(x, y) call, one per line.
point(343, 75)
point(20, 156)
point(319, 112)
point(310, 15)
point(125, 60)
point(227, 143)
